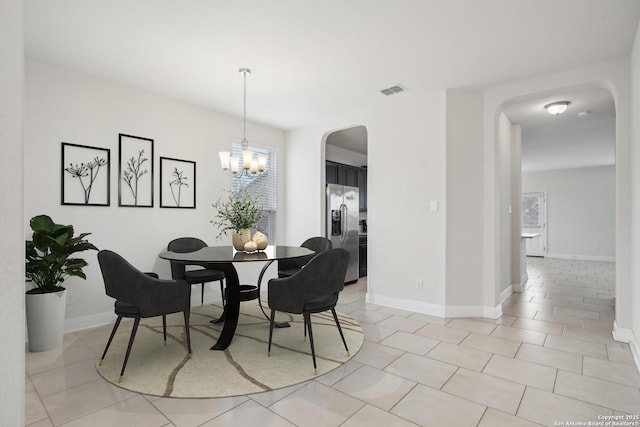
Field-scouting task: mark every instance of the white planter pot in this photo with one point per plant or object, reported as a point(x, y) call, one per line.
point(45, 320)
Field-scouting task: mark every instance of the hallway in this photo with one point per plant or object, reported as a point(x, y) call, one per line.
point(549, 358)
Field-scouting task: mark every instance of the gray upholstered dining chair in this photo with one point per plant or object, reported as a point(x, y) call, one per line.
point(140, 295)
point(313, 289)
point(289, 267)
point(202, 275)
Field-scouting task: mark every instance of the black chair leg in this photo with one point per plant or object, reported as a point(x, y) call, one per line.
point(126, 356)
point(113, 333)
point(305, 327)
point(202, 296)
point(222, 292)
point(335, 317)
point(307, 318)
point(186, 330)
point(164, 328)
point(271, 323)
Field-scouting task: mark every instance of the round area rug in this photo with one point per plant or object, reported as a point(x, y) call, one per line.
point(243, 368)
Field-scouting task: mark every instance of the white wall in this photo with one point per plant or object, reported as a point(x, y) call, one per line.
point(66, 106)
point(580, 211)
point(504, 202)
point(516, 205)
point(12, 364)
point(464, 201)
point(633, 327)
point(405, 239)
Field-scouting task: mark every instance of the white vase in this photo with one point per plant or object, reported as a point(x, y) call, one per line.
point(239, 238)
point(45, 320)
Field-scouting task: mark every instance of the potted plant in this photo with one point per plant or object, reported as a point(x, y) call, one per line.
point(48, 263)
point(239, 212)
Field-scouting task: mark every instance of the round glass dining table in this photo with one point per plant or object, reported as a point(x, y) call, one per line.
point(222, 258)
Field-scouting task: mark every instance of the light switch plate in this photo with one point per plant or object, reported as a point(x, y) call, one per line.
point(433, 206)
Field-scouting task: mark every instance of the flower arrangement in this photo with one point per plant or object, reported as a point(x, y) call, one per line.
point(238, 211)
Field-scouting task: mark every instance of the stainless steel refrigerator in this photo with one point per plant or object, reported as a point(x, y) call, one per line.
point(343, 213)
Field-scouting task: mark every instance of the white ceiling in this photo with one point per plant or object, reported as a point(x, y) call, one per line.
point(315, 60)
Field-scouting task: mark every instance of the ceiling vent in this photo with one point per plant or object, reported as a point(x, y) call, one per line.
point(393, 89)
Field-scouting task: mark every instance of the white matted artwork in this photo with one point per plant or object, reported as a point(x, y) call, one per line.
point(85, 176)
point(177, 183)
point(135, 177)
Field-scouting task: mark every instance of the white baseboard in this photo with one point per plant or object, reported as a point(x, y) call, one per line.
point(627, 335)
point(91, 321)
point(583, 257)
point(506, 293)
point(437, 310)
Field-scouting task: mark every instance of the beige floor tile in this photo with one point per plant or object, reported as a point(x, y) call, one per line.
point(42, 423)
point(369, 316)
point(194, 412)
point(64, 377)
point(620, 355)
point(460, 356)
point(519, 311)
point(428, 407)
point(550, 357)
point(401, 323)
point(332, 377)
point(610, 371)
point(585, 314)
point(74, 350)
point(75, 402)
point(370, 416)
point(519, 371)
point(410, 342)
point(443, 333)
point(575, 345)
point(136, 411)
point(268, 398)
point(598, 392)
point(547, 408)
point(317, 405)
point(429, 319)
point(472, 325)
point(539, 326)
point(422, 369)
point(376, 387)
point(249, 414)
point(558, 318)
point(493, 418)
point(396, 311)
point(491, 344)
point(593, 334)
point(485, 389)
point(375, 333)
point(34, 409)
point(376, 355)
point(517, 334)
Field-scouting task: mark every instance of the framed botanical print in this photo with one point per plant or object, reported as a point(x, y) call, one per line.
point(86, 176)
point(177, 183)
point(135, 171)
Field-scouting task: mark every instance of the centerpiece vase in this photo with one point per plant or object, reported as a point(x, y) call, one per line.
point(239, 238)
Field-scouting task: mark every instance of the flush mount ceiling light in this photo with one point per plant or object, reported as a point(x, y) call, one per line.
point(250, 164)
point(556, 108)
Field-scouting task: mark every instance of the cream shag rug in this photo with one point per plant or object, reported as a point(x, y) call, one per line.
point(243, 368)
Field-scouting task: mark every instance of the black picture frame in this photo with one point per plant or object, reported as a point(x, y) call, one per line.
point(177, 183)
point(82, 180)
point(135, 171)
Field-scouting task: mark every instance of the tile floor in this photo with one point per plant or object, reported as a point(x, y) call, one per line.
point(549, 358)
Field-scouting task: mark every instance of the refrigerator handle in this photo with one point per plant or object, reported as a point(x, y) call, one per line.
point(345, 216)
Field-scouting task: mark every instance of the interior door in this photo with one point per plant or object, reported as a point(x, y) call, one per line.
point(534, 222)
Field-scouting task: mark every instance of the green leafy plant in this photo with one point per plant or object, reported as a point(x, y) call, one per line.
point(238, 211)
point(48, 254)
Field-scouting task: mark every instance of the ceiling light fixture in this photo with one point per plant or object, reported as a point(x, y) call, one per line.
point(250, 164)
point(556, 108)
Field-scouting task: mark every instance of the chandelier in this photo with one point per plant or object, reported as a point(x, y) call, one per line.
point(250, 164)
